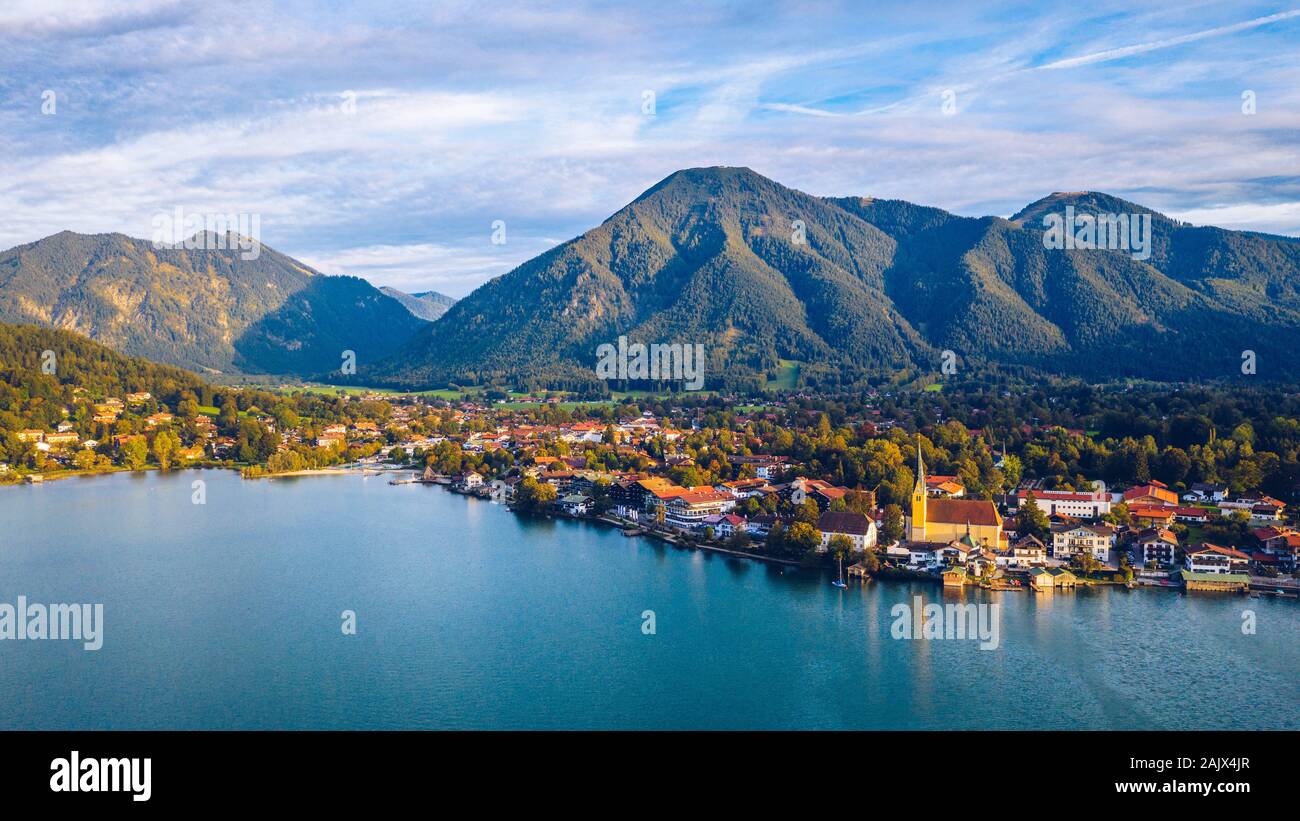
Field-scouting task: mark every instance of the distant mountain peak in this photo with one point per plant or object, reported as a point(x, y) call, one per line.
point(1083, 202)
point(853, 289)
point(212, 309)
point(426, 305)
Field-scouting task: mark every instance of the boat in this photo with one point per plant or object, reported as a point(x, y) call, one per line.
point(840, 581)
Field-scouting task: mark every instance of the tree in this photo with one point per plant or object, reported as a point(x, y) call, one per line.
point(840, 546)
point(871, 561)
point(802, 539)
point(738, 540)
point(776, 538)
point(1085, 561)
point(534, 496)
point(165, 445)
point(1031, 520)
point(135, 451)
point(893, 529)
point(860, 501)
point(808, 512)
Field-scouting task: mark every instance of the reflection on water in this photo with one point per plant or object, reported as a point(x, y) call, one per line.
point(226, 615)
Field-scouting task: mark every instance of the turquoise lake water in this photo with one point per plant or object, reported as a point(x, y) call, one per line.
point(227, 615)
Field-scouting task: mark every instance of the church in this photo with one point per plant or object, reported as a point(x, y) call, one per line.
point(948, 520)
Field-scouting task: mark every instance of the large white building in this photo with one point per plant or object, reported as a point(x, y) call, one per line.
point(860, 529)
point(1090, 505)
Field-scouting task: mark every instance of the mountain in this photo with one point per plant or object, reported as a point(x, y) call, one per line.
point(210, 310)
point(877, 290)
point(427, 305)
point(77, 362)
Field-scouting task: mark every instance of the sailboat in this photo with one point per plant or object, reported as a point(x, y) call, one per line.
point(840, 581)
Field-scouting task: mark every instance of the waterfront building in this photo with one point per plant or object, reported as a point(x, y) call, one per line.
point(946, 520)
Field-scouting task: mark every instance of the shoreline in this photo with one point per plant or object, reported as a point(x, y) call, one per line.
point(1264, 586)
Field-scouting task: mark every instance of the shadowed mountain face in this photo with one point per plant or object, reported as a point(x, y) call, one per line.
point(856, 288)
point(201, 309)
point(427, 305)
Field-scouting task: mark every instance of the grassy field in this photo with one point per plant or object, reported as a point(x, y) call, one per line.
point(787, 378)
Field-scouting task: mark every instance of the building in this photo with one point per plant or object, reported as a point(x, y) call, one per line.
point(1026, 552)
point(1156, 547)
point(1211, 558)
point(947, 520)
point(1218, 582)
point(1051, 578)
point(1090, 505)
point(1072, 539)
point(954, 576)
point(329, 440)
point(1152, 494)
point(761, 525)
point(728, 525)
point(860, 529)
point(471, 480)
point(1192, 515)
point(945, 486)
point(1152, 515)
point(1203, 492)
point(575, 504)
point(925, 555)
point(689, 510)
point(823, 493)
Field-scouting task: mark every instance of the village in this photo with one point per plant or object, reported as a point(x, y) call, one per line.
point(947, 537)
point(685, 478)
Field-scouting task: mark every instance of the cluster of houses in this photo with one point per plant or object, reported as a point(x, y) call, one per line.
point(945, 532)
point(959, 538)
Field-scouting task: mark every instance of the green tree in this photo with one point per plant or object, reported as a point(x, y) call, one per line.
point(1031, 520)
point(893, 529)
point(135, 452)
point(840, 546)
point(165, 445)
point(802, 539)
point(808, 512)
point(534, 496)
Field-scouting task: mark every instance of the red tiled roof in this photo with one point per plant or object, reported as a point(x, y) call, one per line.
point(962, 511)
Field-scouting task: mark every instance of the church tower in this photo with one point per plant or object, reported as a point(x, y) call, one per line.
point(916, 532)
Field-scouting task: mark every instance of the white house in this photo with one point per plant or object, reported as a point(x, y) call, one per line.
point(1211, 558)
point(1071, 539)
point(860, 529)
point(925, 555)
point(1203, 492)
point(1156, 546)
point(575, 504)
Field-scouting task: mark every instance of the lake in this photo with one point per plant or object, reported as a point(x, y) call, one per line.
point(227, 615)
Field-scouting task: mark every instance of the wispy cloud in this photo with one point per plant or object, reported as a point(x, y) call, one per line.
point(550, 121)
point(1169, 42)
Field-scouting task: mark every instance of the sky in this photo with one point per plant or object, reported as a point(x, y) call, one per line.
point(396, 141)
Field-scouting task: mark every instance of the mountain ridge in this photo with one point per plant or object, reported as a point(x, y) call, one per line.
point(860, 289)
point(426, 305)
point(209, 310)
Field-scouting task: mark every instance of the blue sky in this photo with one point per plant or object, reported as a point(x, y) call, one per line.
point(467, 113)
